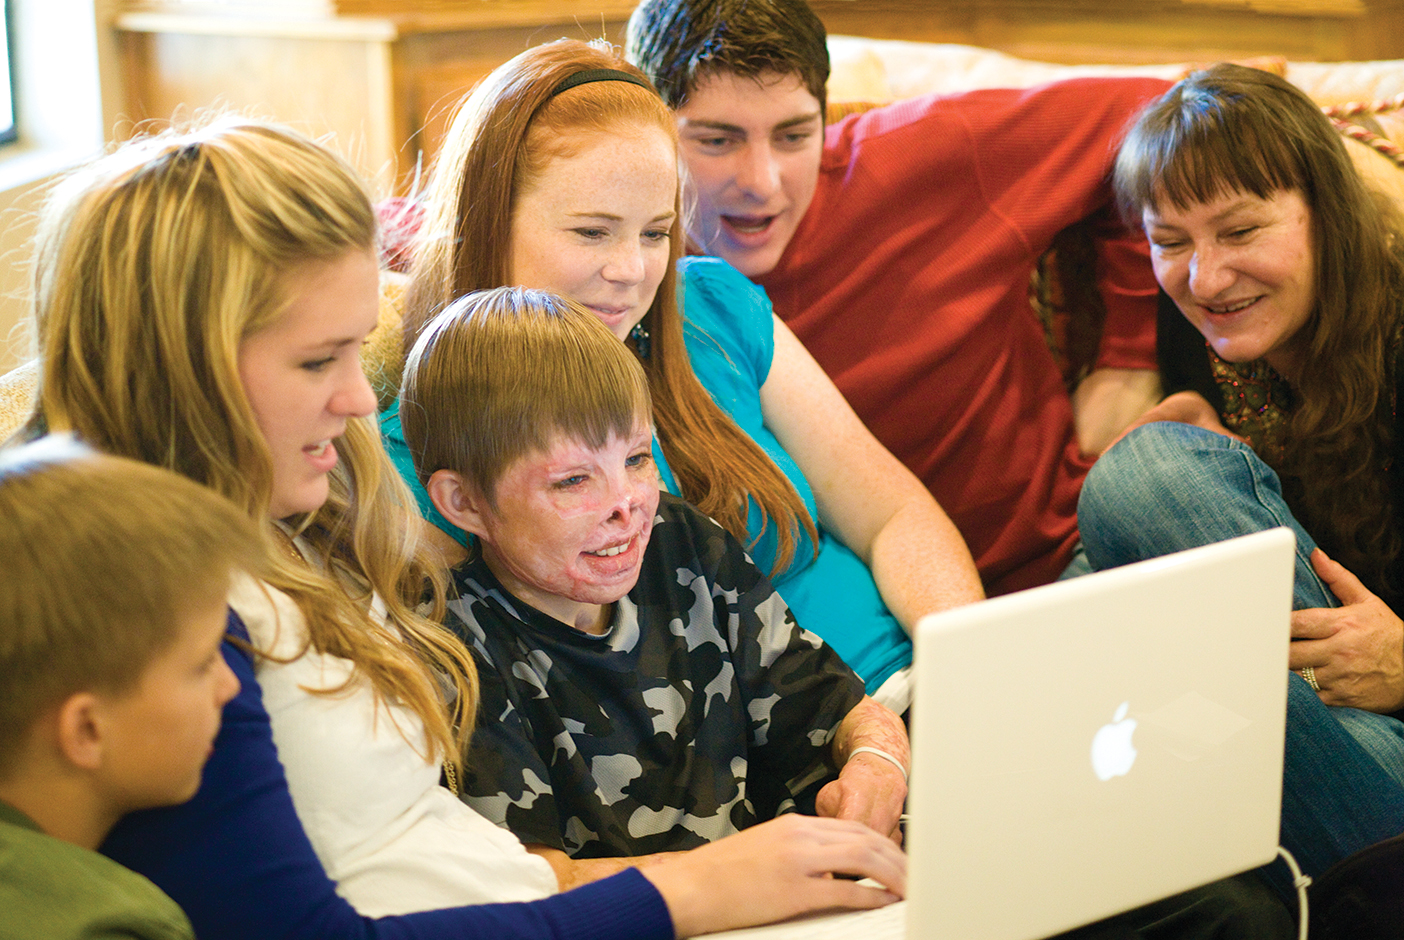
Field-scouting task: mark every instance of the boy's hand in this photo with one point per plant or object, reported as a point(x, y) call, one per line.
point(868, 790)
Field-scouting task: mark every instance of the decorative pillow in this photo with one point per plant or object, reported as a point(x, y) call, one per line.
point(886, 70)
point(1370, 122)
point(836, 111)
point(399, 218)
point(17, 390)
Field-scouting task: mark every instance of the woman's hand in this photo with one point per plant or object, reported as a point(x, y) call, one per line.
point(1186, 408)
point(1356, 651)
point(776, 870)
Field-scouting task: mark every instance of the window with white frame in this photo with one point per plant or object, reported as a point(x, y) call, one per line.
point(8, 131)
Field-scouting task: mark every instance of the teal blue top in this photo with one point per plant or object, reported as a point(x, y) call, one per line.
point(730, 336)
point(399, 452)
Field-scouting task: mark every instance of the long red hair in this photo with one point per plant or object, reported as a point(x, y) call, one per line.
point(504, 133)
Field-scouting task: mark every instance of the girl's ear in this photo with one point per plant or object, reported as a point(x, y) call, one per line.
point(80, 730)
point(458, 501)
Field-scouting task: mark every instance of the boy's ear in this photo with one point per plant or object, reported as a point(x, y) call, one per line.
point(458, 501)
point(79, 726)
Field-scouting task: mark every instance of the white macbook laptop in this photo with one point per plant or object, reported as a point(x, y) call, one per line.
point(1087, 747)
point(1097, 744)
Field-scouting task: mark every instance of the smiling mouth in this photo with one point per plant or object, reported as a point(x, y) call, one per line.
point(610, 312)
point(1231, 308)
point(318, 449)
point(612, 551)
point(749, 224)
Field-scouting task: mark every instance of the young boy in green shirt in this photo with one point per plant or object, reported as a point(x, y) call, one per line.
point(112, 610)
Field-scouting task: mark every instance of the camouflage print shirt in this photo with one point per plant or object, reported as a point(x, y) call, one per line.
point(703, 710)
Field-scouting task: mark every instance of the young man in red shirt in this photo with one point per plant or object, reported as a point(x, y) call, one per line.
point(899, 243)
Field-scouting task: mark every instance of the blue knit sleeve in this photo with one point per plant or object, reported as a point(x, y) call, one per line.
point(729, 329)
point(237, 860)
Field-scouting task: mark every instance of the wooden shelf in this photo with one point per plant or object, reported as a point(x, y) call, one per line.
point(484, 13)
point(379, 87)
point(380, 77)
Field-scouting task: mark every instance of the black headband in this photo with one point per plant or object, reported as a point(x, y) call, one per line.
point(600, 75)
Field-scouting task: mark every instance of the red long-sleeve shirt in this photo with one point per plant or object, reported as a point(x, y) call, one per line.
point(908, 280)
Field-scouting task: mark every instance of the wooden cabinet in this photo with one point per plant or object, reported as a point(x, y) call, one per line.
point(383, 84)
point(382, 76)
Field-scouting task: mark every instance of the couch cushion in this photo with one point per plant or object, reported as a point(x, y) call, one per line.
point(17, 389)
point(888, 69)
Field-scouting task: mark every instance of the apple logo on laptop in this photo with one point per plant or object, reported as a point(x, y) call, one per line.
point(1112, 753)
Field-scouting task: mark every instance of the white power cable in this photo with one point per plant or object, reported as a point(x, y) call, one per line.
point(1301, 882)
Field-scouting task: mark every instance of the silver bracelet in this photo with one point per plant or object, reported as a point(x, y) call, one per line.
point(880, 753)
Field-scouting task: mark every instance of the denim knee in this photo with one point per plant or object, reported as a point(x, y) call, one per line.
point(1381, 736)
point(1166, 487)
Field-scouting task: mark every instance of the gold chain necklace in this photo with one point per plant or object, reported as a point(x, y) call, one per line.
point(289, 543)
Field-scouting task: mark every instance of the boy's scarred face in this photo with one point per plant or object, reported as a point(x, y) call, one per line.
point(571, 524)
point(159, 735)
point(751, 149)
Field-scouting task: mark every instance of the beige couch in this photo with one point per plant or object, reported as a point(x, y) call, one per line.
point(883, 70)
point(875, 71)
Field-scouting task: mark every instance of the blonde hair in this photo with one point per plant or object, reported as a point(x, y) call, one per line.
point(505, 132)
point(103, 558)
point(153, 264)
point(475, 397)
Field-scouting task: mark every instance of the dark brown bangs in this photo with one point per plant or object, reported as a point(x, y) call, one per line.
point(678, 43)
point(1196, 144)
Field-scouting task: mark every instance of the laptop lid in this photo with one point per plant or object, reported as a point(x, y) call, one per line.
point(1093, 745)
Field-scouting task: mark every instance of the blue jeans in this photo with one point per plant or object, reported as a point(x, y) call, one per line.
point(1166, 487)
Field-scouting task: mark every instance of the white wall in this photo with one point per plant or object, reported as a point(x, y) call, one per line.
point(56, 46)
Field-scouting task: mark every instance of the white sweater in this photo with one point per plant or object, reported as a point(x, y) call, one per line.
point(389, 835)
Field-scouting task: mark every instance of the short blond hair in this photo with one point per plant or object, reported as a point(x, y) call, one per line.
point(500, 373)
point(103, 557)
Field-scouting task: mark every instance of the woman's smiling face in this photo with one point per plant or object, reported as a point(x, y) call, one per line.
point(595, 225)
point(567, 527)
point(1242, 269)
